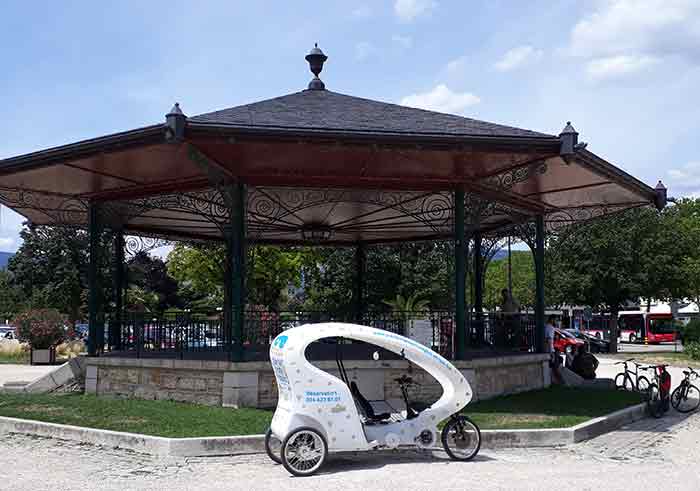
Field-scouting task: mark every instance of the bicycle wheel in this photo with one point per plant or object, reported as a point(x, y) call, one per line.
point(654, 404)
point(624, 382)
point(273, 447)
point(461, 438)
point(685, 401)
point(642, 384)
point(304, 451)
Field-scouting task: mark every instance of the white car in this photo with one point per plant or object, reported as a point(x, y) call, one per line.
point(7, 332)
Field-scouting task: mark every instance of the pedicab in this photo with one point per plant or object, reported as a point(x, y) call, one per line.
point(318, 413)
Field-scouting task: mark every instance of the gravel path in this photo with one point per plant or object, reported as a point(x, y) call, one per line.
point(668, 449)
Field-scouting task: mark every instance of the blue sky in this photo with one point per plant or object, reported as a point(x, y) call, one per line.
point(625, 72)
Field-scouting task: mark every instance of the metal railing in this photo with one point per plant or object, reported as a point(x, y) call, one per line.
point(181, 333)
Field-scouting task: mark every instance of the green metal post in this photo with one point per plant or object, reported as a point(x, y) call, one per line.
point(93, 280)
point(460, 273)
point(360, 265)
point(115, 334)
point(539, 285)
point(236, 252)
point(478, 289)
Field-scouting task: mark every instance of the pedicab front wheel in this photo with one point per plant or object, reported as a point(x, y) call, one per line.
point(304, 451)
point(461, 438)
point(273, 447)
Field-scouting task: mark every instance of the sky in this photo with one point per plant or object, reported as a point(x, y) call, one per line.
point(625, 72)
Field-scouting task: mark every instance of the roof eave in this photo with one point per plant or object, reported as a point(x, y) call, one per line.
point(85, 148)
point(605, 168)
point(385, 137)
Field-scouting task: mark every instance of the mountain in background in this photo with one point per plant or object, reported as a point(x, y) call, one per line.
point(4, 258)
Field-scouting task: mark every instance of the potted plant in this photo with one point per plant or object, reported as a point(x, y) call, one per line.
point(42, 329)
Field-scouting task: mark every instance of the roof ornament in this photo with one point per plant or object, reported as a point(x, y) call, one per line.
point(175, 122)
point(569, 140)
point(316, 58)
point(662, 196)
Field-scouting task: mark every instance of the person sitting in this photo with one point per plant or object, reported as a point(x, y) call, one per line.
point(584, 364)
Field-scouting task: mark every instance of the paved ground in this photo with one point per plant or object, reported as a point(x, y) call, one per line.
point(651, 348)
point(22, 373)
point(650, 454)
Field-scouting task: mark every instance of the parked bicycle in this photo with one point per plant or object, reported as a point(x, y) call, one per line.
point(625, 381)
point(658, 393)
point(686, 397)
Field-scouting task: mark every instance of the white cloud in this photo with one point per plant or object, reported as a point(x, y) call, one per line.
point(457, 65)
point(618, 66)
point(363, 50)
point(684, 180)
point(651, 27)
point(409, 10)
point(441, 99)
point(403, 41)
point(518, 57)
point(362, 12)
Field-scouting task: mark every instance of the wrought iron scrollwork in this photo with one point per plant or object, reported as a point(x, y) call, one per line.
point(136, 244)
point(506, 180)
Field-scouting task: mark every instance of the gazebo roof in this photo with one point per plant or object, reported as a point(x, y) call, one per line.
point(327, 111)
point(351, 169)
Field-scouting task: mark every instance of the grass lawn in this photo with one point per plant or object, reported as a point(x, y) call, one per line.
point(554, 407)
point(158, 418)
point(14, 359)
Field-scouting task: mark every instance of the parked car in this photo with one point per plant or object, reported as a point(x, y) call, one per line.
point(7, 332)
point(595, 344)
point(563, 341)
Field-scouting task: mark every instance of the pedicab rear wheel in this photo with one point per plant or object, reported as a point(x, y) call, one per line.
point(273, 447)
point(461, 438)
point(304, 451)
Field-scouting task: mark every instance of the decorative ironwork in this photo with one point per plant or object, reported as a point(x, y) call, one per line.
point(136, 244)
point(506, 180)
point(286, 211)
point(61, 209)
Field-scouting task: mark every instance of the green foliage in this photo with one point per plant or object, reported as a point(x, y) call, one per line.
point(408, 304)
point(523, 273)
point(692, 350)
point(41, 328)
point(199, 271)
point(691, 332)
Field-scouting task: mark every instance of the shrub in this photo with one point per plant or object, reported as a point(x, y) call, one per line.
point(70, 349)
point(41, 328)
point(13, 350)
point(692, 350)
point(691, 332)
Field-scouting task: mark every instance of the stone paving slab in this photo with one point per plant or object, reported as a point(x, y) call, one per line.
point(22, 373)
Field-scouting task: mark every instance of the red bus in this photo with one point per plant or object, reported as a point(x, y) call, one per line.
point(635, 326)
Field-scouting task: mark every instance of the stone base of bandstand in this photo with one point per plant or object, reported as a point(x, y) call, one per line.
point(252, 384)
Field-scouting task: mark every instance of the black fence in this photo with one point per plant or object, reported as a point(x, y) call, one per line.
point(202, 335)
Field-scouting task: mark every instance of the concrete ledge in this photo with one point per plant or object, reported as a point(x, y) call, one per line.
point(238, 445)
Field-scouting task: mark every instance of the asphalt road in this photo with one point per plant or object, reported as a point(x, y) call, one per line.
point(652, 348)
point(650, 454)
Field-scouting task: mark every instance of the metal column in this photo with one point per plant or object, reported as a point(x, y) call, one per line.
point(235, 258)
point(460, 273)
point(478, 289)
point(115, 327)
point(539, 285)
point(94, 290)
point(360, 265)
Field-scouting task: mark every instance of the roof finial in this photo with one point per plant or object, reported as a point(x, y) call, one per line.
point(316, 58)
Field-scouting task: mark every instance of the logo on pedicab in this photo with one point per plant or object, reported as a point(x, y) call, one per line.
point(280, 341)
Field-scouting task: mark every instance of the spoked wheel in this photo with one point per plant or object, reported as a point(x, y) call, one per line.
point(643, 384)
point(655, 405)
point(273, 447)
point(461, 438)
point(304, 451)
point(624, 382)
point(685, 401)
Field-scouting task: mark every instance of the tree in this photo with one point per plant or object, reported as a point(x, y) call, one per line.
point(523, 272)
point(609, 261)
point(50, 269)
point(149, 279)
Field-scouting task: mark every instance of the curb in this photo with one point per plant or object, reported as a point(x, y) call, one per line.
point(238, 445)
